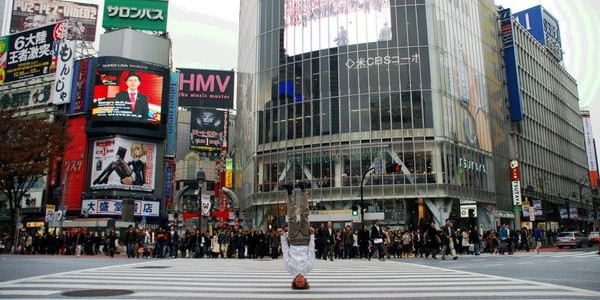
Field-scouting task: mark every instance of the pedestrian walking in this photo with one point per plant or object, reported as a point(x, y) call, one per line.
point(377, 237)
point(448, 237)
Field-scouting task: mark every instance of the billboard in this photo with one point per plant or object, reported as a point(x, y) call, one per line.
point(543, 27)
point(206, 88)
point(61, 94)
point(138, 14)
point(315, 25)
point(119, 163)
point(31, 14)
point(128, 91)
point(73, 166)
point(171, 149)
point(114, 207)
point(589, 150)
point(208, 129)
point(30, 53)
point(82, 75)
point(32, 95)
point(515, 177)
point(511, 62)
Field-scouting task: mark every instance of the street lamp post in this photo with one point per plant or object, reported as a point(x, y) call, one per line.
point(362, 206)
point(200, 177)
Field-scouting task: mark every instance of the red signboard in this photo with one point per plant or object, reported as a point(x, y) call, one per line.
point(515, 171)
point(73, 172)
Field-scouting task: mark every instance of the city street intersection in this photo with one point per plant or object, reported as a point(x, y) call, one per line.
point(550, 275)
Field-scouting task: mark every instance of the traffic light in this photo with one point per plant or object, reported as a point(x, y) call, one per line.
point(393, 167)
point(354, 210)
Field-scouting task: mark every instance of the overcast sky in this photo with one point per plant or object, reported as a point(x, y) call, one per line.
point(205, 34)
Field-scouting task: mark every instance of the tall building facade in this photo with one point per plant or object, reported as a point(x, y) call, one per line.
point(549, 140)
point(328, 90)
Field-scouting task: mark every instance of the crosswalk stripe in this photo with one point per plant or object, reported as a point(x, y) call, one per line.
point(252, 279)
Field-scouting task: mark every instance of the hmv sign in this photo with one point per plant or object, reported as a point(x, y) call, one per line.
point(206, 88)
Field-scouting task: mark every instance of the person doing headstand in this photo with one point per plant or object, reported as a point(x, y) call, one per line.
point(298, 244)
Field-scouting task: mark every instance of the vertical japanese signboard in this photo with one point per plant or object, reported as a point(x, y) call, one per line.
point(511, 62)
point(590, 150)
point(515, 177)
point(61, 93)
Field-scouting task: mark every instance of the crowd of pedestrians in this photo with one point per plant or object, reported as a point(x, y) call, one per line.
point(381, 242)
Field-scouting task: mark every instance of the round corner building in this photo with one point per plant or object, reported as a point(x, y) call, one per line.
point(408, 92)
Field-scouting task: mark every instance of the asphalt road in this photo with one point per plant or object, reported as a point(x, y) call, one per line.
point(578, 268)
point(20, 266)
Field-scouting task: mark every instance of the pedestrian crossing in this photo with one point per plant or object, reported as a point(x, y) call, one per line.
point(574, 254)
point(267, 279)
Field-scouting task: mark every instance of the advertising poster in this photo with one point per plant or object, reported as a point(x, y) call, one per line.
point(128, 91)
point(316, 25)
point(31, 14)
point(537, 204)
point(73, 166)
point(590, 150)
point(119, 163)
point(30, 53)
point(564, 214)
point(82, 71)
point(206, 88)
point(38, 94)
point(208, 129)
point(114, 207)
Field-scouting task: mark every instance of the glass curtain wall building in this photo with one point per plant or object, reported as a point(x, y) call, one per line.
point(329, 89)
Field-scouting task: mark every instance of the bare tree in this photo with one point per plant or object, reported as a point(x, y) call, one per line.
point(28, 144)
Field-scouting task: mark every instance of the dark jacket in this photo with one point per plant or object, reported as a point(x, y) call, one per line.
point(141, 104)
point(329, 238)
point(376, 234)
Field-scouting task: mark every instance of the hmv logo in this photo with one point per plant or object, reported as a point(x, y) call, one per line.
point(206, 88)
point(203, 83)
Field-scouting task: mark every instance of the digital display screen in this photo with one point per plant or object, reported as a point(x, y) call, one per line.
point(316, 25)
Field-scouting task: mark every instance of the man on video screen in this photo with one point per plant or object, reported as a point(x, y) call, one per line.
point(138, 102)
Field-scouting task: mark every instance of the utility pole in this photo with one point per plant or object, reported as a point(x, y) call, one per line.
point(362, 203)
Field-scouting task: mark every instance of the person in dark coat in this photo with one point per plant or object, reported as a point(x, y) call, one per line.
point(173, 239)
point(377, 237)
point(329, 242)
point(432, 241)
point(363, 242)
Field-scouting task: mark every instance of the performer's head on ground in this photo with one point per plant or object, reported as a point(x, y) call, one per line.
point(300, 283)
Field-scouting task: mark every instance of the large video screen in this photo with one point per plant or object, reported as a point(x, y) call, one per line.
point(128, 91)
point(119, 163)
point(315, 25)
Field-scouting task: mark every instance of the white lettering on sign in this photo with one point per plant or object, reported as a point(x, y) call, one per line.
point(471, 165)
point(516, 192)
point(365, 62)
point(135, 13)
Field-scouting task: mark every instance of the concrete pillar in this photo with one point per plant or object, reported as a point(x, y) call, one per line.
point(440, 209)
point(337, 173)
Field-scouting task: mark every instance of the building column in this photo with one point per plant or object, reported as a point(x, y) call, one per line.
point(337, 173)
point(440, 209)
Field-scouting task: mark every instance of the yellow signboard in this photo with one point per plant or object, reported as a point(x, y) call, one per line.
point(229, 178)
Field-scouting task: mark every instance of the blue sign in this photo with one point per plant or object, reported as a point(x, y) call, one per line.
point(543, 27)
point(168, 180)
point(172, 117)
point(511, 63)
